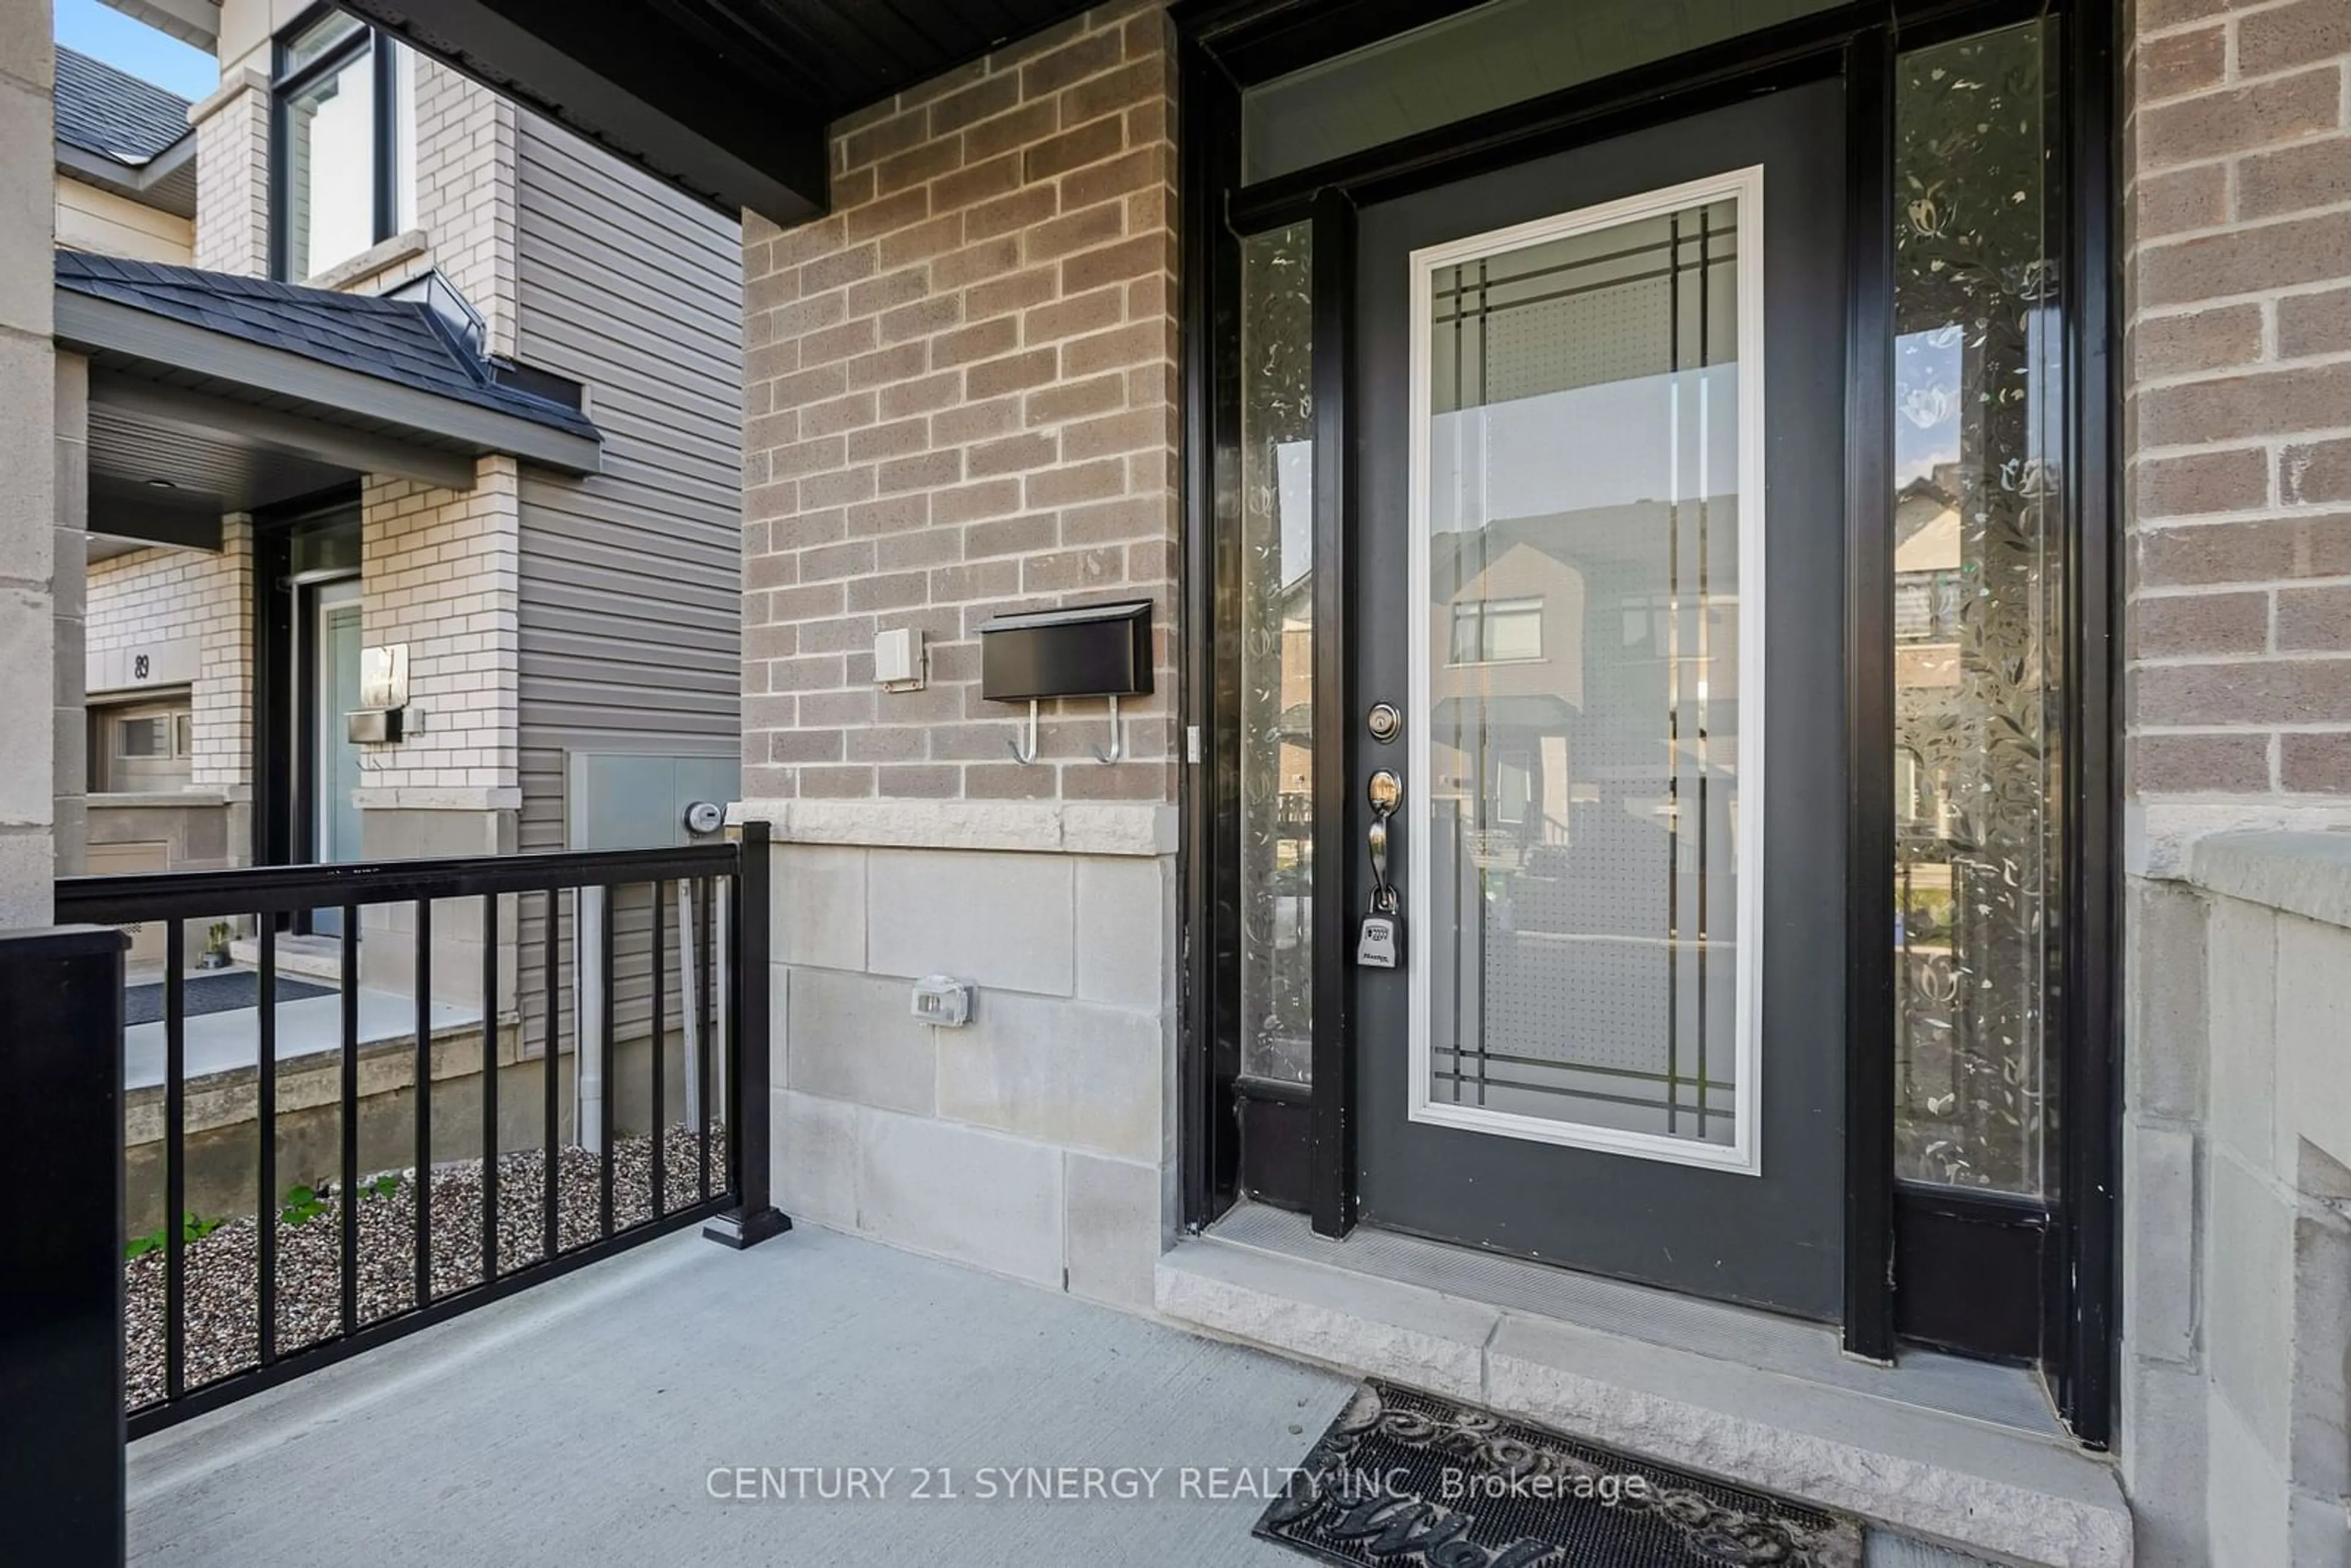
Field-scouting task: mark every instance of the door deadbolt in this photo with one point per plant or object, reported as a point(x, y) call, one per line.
point(1385, 722)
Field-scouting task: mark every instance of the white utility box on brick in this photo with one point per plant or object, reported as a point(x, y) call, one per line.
point(898, 659)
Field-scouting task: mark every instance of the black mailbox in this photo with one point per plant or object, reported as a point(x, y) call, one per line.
point(1092, 650)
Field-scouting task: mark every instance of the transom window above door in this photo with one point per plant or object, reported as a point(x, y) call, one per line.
point(343, 145)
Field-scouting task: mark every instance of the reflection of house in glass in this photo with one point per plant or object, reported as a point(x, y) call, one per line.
point(1929, 559)
point(1928, 585)
point(1583, 759)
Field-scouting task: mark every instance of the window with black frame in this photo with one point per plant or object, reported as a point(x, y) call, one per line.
point(344, 154)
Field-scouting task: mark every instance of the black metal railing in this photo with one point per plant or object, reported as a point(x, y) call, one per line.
point(320, 1293)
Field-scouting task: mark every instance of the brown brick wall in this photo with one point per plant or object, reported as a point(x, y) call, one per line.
point(960, 399)
point(2238, 154)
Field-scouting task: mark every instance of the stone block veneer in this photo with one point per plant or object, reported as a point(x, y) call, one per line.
point(2237, 1186)
point(1037, 1141)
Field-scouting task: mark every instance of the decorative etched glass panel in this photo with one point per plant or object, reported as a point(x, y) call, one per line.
point(1977, 612)
point(1275, 655)
point(1588, 514)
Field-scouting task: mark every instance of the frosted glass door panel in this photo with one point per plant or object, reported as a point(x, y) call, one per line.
point(1585, 540)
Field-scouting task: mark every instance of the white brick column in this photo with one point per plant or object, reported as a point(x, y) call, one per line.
point(214, 602)
point(441, 574)
point(466, 137)
point(233, 176)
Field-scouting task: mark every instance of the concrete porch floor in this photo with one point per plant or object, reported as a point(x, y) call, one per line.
point(579, 1423)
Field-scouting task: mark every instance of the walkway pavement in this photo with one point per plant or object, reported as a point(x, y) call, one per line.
point(590, 1420)
point(581, 1423)
point(224, 1042)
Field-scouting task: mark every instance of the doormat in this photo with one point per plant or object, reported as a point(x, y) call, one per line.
point(1406, 1479)
point(205, 994)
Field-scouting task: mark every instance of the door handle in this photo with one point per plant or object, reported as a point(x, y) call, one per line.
point(1384, 791)
point(1379, 941)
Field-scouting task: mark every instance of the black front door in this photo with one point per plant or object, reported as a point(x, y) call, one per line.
point(1598, 418)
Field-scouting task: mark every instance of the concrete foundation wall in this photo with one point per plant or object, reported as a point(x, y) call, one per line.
point(388, 942)
point(1038, 1140)
point(222, 1126)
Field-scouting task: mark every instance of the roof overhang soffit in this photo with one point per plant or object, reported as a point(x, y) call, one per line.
point(623, 77)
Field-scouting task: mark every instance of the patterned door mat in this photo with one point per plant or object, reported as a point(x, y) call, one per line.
point(231, 992)
point(1406, 1479)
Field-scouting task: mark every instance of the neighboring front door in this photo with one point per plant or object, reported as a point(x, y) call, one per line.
point(1598, 412)
point(334, 761)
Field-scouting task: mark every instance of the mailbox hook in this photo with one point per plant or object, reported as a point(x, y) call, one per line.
point(1028, 756)
point(1117, 737)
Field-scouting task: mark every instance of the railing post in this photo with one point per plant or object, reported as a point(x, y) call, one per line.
point(61, 1422)
point(748, 1041)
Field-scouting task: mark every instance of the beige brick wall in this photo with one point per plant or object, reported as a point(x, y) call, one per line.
point(439, 572)
point(960, 398)
point(162, 595)
point(2239, 416)
point(232, 177)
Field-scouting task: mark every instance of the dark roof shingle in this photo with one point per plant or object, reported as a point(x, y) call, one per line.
point(114, 114)
point(397, 340)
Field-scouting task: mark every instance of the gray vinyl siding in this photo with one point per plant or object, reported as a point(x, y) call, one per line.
point(631, 580)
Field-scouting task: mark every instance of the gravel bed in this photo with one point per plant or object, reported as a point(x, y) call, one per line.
point(222, 1270)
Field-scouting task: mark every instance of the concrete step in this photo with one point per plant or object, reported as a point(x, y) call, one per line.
point(2000, 1492)
point(310, 957)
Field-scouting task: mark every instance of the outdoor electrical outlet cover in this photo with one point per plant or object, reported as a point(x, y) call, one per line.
point(944, 1000)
